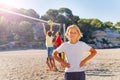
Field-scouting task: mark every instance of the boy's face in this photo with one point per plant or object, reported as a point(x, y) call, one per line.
point(73, 34)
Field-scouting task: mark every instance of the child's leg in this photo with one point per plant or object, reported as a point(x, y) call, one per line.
point(54, 68)
point(48, 63)
point(51, 63)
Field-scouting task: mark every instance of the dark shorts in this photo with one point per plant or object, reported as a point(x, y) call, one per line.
point(74, 75)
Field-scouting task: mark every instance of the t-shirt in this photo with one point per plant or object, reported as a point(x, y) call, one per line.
point(74, 54)
point(49, 40)
point(58, 41)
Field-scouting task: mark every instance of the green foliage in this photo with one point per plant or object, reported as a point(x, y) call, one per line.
point(117, 26)
point(3, 25)
point(108, 24)
point(85, 28)
point(29, 12)
point(52, 14)
point(62, 15)
point(26, 30)
point(21, 28)
point(96, 24)
point(65, 10)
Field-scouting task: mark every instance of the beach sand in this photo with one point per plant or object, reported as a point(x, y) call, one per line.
point(30, 65)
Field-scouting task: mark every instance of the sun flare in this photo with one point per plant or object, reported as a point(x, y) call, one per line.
point(7, 2)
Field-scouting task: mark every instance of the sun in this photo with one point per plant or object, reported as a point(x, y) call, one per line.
point(8, 2)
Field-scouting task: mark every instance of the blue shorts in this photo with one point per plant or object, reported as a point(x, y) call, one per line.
point(49, 51)
point(74, 75)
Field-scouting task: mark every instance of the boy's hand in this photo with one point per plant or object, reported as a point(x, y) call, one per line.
point(43, 24)
point(64, 64)
point(82, 63)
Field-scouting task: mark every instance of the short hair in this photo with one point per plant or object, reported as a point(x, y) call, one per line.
point(49, 33)
point(76, 27)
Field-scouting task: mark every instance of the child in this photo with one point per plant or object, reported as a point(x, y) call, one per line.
point(74, 50)
point(58, 39)
point(49, 44)
point(58, 42)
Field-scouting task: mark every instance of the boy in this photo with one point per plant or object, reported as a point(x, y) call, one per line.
point(49, 44)
point(73, 50)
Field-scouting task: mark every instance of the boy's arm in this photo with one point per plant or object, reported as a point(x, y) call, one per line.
point(93, 53)
point(63, 63)
point(44, 29)
point(51, 27)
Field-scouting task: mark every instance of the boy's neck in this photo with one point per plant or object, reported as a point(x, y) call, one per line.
point(73, 41)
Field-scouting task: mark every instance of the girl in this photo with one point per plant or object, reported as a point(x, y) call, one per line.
point(58, 39)
point(74, 50)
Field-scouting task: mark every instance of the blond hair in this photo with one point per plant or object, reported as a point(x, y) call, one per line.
point(78, 30)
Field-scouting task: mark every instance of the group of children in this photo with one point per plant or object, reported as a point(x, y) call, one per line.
point(73, 49)
point(51, 43)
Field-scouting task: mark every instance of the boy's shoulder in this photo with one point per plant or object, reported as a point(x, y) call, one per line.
point(82, 42)
point(65, 43)
point(79, 42)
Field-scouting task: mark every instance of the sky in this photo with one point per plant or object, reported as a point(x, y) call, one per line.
point(104, 10)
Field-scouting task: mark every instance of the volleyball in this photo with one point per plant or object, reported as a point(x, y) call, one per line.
point(50, 22)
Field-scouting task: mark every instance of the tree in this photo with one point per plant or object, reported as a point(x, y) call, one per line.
point(96, 24)
point(25, 31)
point(85, 27)
point(62, 15)
point(76, 18)
point(51, 14)
point(67, 13)
point(108, 24)
point(3, 24)
point(4, 29)
point(29, 12)
point(117, 26)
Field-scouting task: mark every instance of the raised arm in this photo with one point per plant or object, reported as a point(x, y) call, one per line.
point(51, 28)
point(44, 29)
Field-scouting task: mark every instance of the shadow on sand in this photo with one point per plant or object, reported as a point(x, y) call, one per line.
point(100, 72)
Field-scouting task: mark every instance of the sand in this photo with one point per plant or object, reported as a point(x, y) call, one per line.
point(30, 65)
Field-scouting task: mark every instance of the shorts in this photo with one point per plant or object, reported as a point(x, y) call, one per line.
point(49, 51)
point(74, 75)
